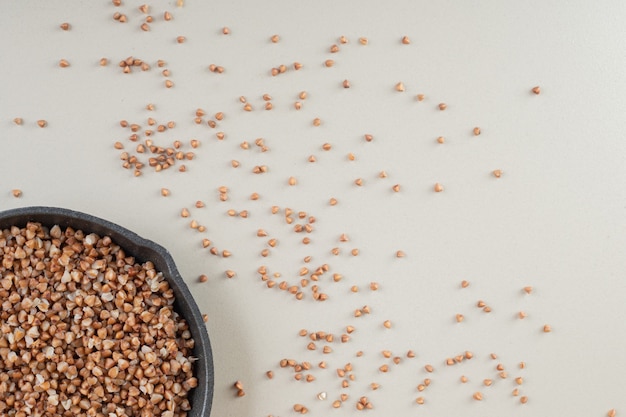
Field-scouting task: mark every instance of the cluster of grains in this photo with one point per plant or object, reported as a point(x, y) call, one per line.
point(86, 330)
point(211, 122)
point(129, 63)
point(238, 385)
point(159, 157)
point(146, 15)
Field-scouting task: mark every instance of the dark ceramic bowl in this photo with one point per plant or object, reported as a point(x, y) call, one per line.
point(143, 250)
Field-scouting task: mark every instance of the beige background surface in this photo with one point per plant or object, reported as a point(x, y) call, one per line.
point(555, 220)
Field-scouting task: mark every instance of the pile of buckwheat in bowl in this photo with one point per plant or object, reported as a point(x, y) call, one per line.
point(95, 321)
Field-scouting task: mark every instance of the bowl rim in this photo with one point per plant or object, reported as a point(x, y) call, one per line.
point(142, 249)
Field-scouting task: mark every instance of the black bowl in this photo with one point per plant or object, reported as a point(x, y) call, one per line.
point(143, 250)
